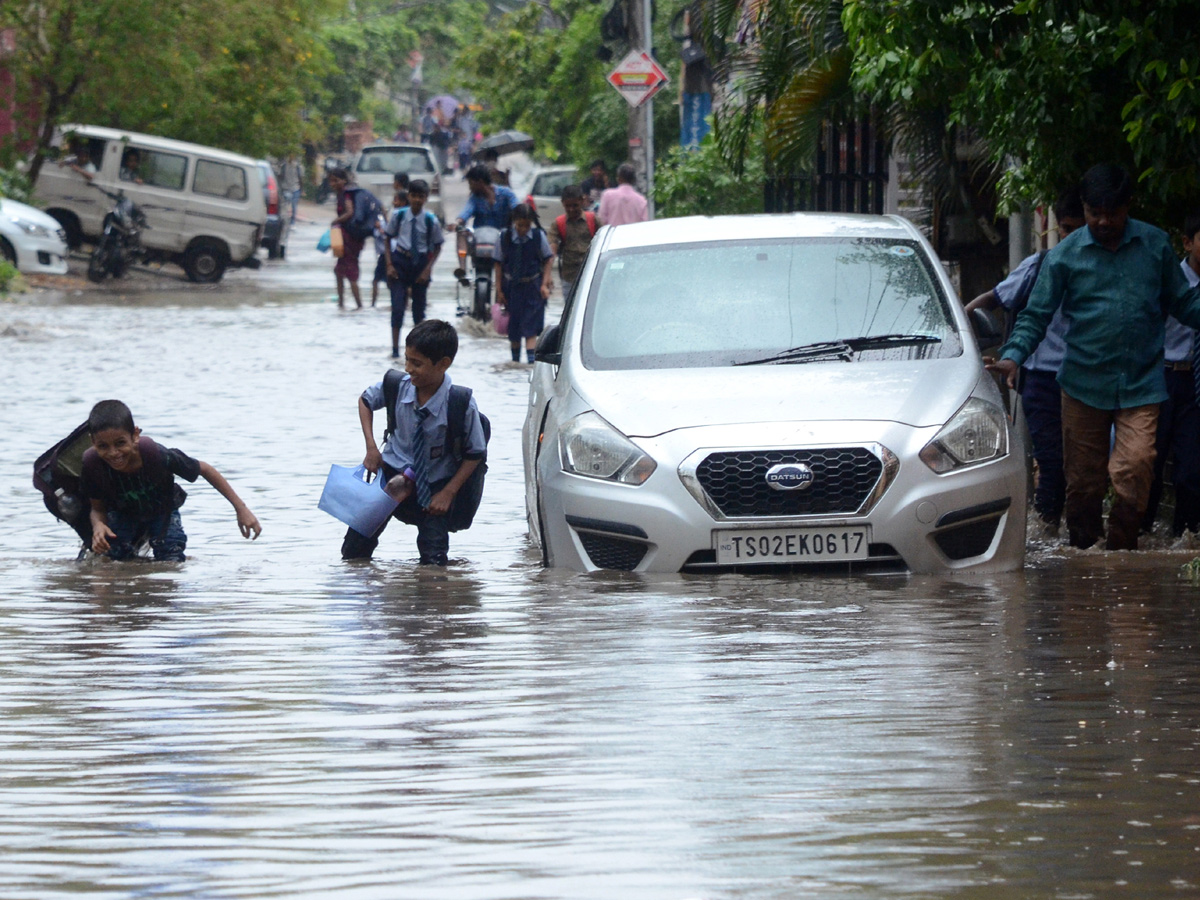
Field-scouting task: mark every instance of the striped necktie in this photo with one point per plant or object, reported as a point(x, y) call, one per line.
point(421, 459)
point(1196, 364)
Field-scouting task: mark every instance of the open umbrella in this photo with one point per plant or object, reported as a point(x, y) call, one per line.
point(443, 105)
point(504, 142)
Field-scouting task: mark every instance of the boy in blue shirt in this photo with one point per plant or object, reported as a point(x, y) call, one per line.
point(416, 242)
point(419, 444)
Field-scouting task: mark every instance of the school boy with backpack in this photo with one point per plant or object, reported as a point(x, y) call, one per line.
point(129, 481)
point(436, 441)
point(415, 242)
point(572, 236)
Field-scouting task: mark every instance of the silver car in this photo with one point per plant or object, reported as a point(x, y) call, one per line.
point(746, 391)
point(375, 165)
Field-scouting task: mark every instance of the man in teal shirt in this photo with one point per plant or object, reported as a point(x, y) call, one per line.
point(1116, 282)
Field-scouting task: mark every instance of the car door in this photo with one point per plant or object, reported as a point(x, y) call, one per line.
point(156, 185)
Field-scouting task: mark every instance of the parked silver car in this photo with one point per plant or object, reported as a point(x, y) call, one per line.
point(375, 165)
point(770, 390)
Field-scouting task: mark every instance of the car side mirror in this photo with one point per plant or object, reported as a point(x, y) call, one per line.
point(549, 346)
point(987, 334)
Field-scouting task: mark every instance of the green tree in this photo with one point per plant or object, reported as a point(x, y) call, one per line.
point(1047, 86)
point(700, 182)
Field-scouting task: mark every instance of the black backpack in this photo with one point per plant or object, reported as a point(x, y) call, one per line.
point(466, 502)
point(59, 469)
point(367, 209)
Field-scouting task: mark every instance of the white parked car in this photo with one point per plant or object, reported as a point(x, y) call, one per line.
point(544, 189)
point(770, 390)
point(375, 166)
point(31, 240)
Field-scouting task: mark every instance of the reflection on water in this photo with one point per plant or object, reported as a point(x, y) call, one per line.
point(267, 721)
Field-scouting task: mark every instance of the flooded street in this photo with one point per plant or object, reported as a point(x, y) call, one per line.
point(266, 720)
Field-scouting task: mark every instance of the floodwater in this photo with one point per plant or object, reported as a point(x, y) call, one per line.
point(266, 720)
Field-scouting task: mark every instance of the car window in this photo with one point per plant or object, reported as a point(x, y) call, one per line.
point(725, 303)
point(153, 167)
point(389, 160)
point(220, 180)
point(551, 184)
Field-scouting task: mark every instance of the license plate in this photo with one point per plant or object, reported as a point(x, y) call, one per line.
point(787, 545)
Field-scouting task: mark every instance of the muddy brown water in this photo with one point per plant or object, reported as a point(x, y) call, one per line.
point(265, 720)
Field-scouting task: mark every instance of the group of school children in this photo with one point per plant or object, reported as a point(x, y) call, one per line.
point(435, 441)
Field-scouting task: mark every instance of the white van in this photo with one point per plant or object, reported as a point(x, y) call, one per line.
point(204, 207)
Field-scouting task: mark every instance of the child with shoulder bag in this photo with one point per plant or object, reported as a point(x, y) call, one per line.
point(416, 241)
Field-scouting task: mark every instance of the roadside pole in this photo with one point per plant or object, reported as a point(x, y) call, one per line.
point(648, 46)
point(638, 78)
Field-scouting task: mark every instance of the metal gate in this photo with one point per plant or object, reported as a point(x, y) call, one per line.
point(851, 175)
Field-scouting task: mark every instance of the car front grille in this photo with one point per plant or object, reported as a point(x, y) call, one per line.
point(735, 481)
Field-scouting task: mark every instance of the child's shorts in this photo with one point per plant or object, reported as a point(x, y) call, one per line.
point(381, 268)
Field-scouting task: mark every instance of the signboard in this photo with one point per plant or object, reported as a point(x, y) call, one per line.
point(637, 77)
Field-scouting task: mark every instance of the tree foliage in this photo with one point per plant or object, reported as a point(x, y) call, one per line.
point(700, 182)
point(536, 69)
point(224, 72)
point(1048, 86)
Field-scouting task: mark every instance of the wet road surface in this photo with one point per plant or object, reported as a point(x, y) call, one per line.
point(265, 720)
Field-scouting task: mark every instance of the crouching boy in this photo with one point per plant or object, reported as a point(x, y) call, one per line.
point(423, 467)
point(130, 481)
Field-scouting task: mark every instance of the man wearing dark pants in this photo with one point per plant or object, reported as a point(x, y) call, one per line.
point(1115, 280)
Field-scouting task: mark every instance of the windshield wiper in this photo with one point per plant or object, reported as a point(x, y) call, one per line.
point(842, 349)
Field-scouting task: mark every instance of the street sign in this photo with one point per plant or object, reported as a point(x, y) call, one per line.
point(637, 78)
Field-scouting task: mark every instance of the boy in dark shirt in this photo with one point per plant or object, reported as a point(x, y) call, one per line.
point(130, 481)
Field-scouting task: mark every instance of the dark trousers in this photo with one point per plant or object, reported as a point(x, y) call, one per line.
point(1179, 435)
point(408, 269)
point(1041, 398)
point(164, 533)
point(433, 533)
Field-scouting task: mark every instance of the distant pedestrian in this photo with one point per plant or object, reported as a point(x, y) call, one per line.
point(523, 267)
point(1115, 280)
point(428, 123)
point(382, 241)
point(1041, 397)
point(292, 181)
point(1179, 418)
point(346, 268)
point(596, 183)
point(464, 151)
point(572, 235)
point(623, 204)
point(416, 241)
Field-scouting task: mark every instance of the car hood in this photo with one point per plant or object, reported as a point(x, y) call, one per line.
point(642, 403)
point(11, 209)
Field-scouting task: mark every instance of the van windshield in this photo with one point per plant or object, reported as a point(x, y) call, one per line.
point(388, 160)
point(764, 303)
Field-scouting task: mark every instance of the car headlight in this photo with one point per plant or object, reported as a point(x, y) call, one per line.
point(591, 447)
point(33, 229)
point(975, 434)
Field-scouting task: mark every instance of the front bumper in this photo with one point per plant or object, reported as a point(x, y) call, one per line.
point(43, 256)
point(921, 522)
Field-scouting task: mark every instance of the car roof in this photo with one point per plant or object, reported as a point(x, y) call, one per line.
point(697, 229)
point(389, 145)
point(153, 141)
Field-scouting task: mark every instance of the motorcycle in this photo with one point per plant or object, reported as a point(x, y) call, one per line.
point(480, 246)
point(323, 189)
point(120, 244)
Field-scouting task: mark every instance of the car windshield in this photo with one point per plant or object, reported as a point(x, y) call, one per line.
point(551, 184)
point(394, 159)
point(776, 302)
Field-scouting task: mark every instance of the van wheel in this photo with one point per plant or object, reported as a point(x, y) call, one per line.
point(205, 262)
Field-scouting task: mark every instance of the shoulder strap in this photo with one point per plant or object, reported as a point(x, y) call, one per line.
point(591, 220)
point(561, 224)
point(391, 393)
point(456, 419)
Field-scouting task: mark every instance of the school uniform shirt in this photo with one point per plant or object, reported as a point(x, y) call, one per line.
point(1113, 302)
point(1019, 283)
point(1180, 340)
point(415, 234)
point(544, 251)
point(143, 494)
point(397, 452)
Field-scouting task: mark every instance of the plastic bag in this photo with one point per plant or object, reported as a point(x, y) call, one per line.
point(500, 320)
point(324, 243)
point(350, 498)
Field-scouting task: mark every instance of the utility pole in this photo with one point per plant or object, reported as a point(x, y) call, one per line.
point(641, 118)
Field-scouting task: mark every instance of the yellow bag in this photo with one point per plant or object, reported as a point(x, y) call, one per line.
point(336, 242)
